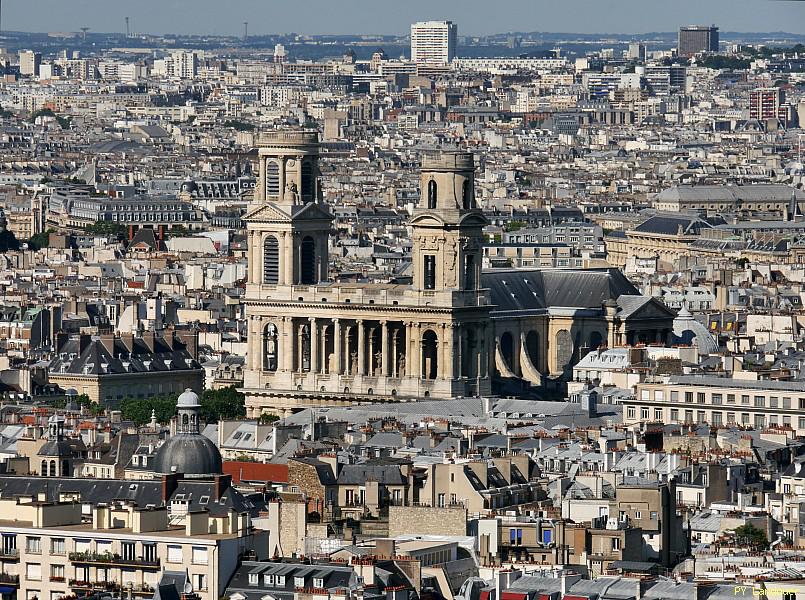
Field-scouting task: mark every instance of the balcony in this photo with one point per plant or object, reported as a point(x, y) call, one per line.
point(10, 554)
point(93, 558)
point(9, 579)
point(141, 590)
point(107, 586)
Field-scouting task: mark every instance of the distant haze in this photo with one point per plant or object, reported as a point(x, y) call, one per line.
point(474, 17)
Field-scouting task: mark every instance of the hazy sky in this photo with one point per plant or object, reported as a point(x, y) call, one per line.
point(394, 17)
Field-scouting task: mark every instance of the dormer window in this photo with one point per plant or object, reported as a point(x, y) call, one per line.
point(254, 579)
point(318, 582)
point(268, 580)
point(299, 582)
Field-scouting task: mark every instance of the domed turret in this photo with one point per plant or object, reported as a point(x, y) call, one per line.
point(188, 452)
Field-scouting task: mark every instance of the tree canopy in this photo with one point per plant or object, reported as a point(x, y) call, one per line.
point(225, 403)
point(751, 535)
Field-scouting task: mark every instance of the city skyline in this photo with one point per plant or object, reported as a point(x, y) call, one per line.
point(207, 17)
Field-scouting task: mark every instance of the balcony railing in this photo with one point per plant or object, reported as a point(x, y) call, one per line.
point(108, 558)
point(10, 554)
point(9, 579)
point(109, 586)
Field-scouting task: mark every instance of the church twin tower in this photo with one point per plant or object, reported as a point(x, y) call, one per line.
point(315, 342)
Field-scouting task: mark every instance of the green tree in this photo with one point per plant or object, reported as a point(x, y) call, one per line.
point(239, 125)
point(751, 535)
point(40, 240)
point(224, 403)
point(139, 410)
point(514, 226)
point(106, 228)
point(266, 418)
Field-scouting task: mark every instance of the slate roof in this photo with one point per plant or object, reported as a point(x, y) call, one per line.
point(522, 290)
point(360, 474)
point(669, 225)
point(141, 492)
point(96, 359)
point(333, 576)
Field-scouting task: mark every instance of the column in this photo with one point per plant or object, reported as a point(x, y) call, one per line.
point(371, 370)
point(416, 343)
point(281, 163)
point(349, 365)
point(384, 351)
point(254, 252)
point(285, 259)
point(324, 362)
point(260, 193)
point(362, 348)
point(448, 360)
point(395, 365)
point(337, 345)
point(286, 341)
point(255, 341)
point(314, 346)
point(300, 347)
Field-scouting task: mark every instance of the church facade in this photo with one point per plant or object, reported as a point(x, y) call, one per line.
point(451, 333)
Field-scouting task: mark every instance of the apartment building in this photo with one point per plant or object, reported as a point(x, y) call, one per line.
point(719, 401)
point(434, 42)
point(57, 549)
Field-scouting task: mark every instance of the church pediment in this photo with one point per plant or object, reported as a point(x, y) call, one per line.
point(267, 213)
point(312, 212)
point(651, 308)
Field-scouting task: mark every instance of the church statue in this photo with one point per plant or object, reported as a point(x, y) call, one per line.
point(378, 361)
point(401, 366)
point(354, 363)
point(291, 193)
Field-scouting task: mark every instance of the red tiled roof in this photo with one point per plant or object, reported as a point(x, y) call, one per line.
point(242, 470)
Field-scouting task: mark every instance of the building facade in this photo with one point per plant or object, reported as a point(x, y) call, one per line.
point(719, 401)
point(694, 39)
point(434, 42)
point(447, 334)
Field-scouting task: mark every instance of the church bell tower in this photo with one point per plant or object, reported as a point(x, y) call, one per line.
point(288, 222)
point(447, 225)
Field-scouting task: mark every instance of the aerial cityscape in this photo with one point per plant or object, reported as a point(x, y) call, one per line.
point(437, 301)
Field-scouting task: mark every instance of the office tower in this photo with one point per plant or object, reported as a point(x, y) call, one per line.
point(434, 42)
point(29, 63)
point(765, 103)
point(694, 39)
point(637, 51)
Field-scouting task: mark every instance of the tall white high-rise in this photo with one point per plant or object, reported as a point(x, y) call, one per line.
point(29, 63)
point(434, 42)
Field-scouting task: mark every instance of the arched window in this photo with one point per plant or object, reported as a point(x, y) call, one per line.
point(272, 179)
point(466, 194)
point(430, 355)
point(271, 260)
point(44, 469)
point(432, 189)
point(308, 256)
point(65, 468)
point(53, 468)
point(307, 181)
point(270, 347)
point(185, 419)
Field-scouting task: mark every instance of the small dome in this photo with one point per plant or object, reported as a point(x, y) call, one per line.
point(188, 399)
point(687, 330)
point(192, 455)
